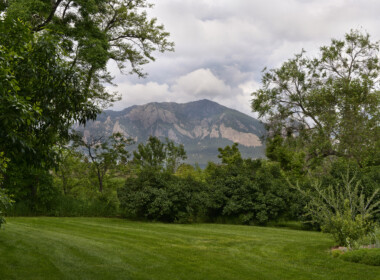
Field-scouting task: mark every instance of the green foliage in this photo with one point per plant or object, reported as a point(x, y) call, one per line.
point(187, 170)
point(3, 166)
point(53, 58)
point(342, 210)
point(158, 155)
point(252, 191)
point(161, 196)
point(105, 154)
point(32, 189)
point(73, 173)
point(363, 256)
point(5, 203)
point(42, 97)
point(326, 106)
point(230, 155)
point(5, 200)
point(347, 229)
point(153, 192)
point(95, 32)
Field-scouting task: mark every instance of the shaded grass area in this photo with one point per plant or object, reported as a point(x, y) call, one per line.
point(100, 248)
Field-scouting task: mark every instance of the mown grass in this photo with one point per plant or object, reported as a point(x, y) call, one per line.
point(100, 248)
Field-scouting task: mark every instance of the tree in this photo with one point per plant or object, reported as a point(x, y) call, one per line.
point(71, 170)
point(94, 32)
point(41, 96)
point(326, 106)
point(105, 153)
point(158, 155)
point(53, 58)
point(230, 155)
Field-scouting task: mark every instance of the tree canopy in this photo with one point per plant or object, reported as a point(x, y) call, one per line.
point(53, 71)
point(326, 106)
point(159, 155)
point(41, 94)
point(95, 32)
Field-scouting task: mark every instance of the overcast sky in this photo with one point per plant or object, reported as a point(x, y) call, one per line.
point(223, 45)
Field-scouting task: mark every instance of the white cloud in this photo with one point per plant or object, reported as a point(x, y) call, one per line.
point(138, 94)
point(199, 84)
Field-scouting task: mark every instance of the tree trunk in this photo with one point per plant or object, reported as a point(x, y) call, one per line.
point(100, 179)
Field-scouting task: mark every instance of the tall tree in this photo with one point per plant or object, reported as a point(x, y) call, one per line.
point(326, 106)
point(53, 67)
point(56, 62)
point(41, 96)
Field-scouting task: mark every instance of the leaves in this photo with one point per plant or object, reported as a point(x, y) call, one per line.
point(330, 104)
point(342, 209)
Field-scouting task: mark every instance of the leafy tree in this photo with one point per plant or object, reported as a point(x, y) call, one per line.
point(40, 98)
point(174, 155)
point(186, 170)
point(158, 155)
point(95, 32)
point(326, 106)
point(104, 154)
point(230, 155)
point(72, 171)
point(53, 57)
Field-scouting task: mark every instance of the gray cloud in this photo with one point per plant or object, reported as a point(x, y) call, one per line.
point(222, 46)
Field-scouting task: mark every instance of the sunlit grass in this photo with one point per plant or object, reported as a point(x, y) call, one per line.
point(99, 248)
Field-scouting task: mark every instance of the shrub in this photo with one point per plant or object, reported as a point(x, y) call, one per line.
point(364, 256)
point(247, 191)
point(162, 196)
point(342, 210)
point(5, 200)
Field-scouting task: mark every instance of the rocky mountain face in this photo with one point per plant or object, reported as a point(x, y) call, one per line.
point(201, 126)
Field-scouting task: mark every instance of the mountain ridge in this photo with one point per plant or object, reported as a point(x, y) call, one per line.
point(201, 126)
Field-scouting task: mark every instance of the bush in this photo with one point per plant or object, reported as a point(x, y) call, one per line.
point(348, 229)
point(342, 210)
point(100, 205)
point(5, 200)
point(247, 191)
point(363, 256)
point(5, 203)
point(161, 196)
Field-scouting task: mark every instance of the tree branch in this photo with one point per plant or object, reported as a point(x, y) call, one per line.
point(50, 17)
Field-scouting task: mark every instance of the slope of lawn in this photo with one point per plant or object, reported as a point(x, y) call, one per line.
point(100, 248)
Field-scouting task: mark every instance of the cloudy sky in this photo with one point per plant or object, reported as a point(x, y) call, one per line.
point(223, 45)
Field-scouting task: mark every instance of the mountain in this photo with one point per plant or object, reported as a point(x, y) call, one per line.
point(201, 126)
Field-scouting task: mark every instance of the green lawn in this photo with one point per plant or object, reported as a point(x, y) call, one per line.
point(100, 248)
